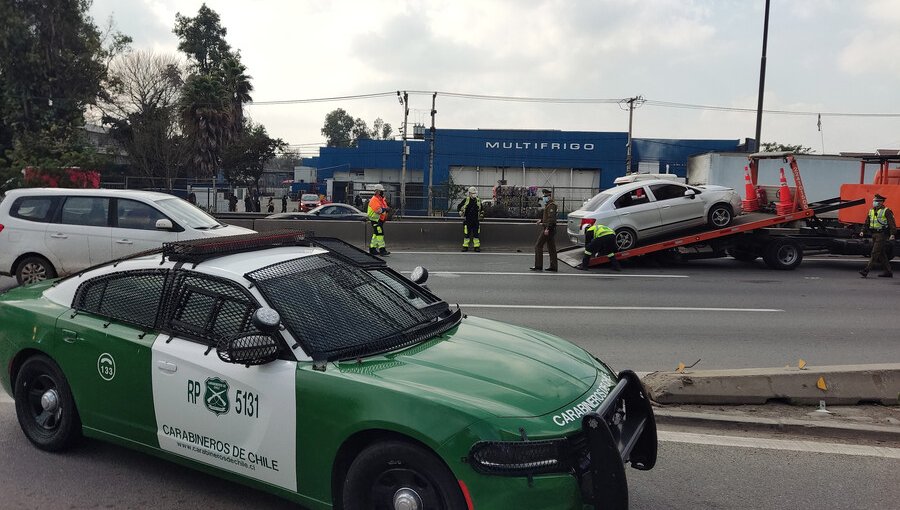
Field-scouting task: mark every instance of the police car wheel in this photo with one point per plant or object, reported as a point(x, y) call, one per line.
point(44, 405)
point(395, 475)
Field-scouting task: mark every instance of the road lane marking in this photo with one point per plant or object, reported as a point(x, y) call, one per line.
point(626, 308)
point(780, 444)
point(548, 273)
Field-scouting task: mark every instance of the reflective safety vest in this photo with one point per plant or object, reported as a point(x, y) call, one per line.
point(599, 230)
point(377, 208)
point(877, 219)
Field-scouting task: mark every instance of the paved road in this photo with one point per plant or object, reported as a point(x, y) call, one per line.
point(647, 318)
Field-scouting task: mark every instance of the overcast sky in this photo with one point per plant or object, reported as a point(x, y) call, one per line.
point(824, 56)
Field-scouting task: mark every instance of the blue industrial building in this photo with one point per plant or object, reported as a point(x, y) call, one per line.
point(579, 161)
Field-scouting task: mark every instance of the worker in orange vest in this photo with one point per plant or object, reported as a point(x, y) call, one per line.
point(377, 214)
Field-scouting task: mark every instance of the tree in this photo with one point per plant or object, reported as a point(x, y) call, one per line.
point(342, 130)
point(53, 64)
point(239, 88)
point(780, 147)
point(202, 38)
point(206, 117)
point(245, 158)
point(142, 112)
point(381, 130)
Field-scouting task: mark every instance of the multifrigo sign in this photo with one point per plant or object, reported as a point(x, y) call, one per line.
point(553, 146)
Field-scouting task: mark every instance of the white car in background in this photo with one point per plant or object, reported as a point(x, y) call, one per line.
point(50, 232)
point(650, 208)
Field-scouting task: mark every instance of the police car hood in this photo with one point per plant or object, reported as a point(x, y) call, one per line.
point(495, 368)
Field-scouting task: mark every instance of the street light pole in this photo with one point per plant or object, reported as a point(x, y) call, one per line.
point(431, 157)
point(404, 100)
point(762, 79)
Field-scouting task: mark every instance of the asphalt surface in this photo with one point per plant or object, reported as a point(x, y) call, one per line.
point(647, 318)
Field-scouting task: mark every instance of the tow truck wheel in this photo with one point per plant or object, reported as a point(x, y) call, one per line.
point(625, 239)
point(396, 475)
point(783, 254)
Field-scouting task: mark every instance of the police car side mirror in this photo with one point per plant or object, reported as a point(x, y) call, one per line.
point(419, 275)
point(248, 349)
point(266, 320)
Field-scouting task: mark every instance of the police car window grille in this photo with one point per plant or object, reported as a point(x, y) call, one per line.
point(333, 308)
point(209, 309)
point(133, 297)
point(348, 252)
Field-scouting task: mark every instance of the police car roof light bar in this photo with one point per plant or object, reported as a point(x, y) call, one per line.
point(197, 250)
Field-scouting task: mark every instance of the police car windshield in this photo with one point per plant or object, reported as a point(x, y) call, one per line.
point(186, 214)
point(337, 310)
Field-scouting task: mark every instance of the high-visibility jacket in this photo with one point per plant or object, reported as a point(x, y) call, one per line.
point(471, 214)
point(878, 218)
point(377, 210)
point(596, 230)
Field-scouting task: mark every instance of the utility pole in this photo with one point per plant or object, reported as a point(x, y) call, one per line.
point(631, 101)
point(431, 157)
point(762, 79)
point(404, 100)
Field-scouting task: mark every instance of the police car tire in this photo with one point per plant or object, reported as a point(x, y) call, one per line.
point(50, 431)
point(384, 468)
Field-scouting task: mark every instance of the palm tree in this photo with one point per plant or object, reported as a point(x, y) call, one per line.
point(207, 115)
point(239, 88)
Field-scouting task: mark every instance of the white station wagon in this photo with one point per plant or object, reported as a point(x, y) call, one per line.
point(650, 208)
point(49, 232)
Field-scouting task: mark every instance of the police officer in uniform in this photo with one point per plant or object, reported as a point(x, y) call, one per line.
point(471, 210)
point(547, 235)
point(377, 214)
point(599, 239)
point(880, 223)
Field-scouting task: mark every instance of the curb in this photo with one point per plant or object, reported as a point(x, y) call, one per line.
point(855, 431)
point(835, 385)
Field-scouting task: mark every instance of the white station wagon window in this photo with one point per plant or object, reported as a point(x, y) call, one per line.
point(90, 211)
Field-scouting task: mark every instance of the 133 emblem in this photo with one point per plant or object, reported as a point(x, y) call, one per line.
point(216, 396)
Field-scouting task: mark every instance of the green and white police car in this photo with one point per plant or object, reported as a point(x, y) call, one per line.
point(305, 367)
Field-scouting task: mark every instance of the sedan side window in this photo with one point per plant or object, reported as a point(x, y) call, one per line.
point(133, 297)
point(634, 197)
point(89, 211)
point(134, 214)
point(208, 309)
point(667, 191)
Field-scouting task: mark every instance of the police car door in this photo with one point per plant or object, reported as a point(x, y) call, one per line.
point(237, 418)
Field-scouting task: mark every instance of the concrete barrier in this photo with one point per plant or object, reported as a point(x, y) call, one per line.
point(416, 235)
point(845, 385)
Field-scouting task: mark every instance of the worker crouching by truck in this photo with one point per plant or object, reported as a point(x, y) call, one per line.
point(881, 225)
point(599, 239)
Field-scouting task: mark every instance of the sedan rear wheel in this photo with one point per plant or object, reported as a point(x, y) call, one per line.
point(625, 239)
point(44, 405)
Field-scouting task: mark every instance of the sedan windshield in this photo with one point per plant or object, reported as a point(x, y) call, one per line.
point(187, 215)
point(310, 198)
point(336, 310)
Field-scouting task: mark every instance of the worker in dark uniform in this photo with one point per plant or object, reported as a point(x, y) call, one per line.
point(880, 223)
point(472, 213)
point(284, 203)
point(599, 239)
point(547, 235)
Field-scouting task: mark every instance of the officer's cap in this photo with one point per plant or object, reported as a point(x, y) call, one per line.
point(546, 191)
point(878, 197)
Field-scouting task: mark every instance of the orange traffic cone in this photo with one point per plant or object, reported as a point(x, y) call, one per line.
point(785, 202)
point(751, 203)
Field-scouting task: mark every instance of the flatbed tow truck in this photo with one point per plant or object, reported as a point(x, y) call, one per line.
point(780, 239)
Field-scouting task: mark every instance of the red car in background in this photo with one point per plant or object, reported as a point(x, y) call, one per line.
point(309, 201)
